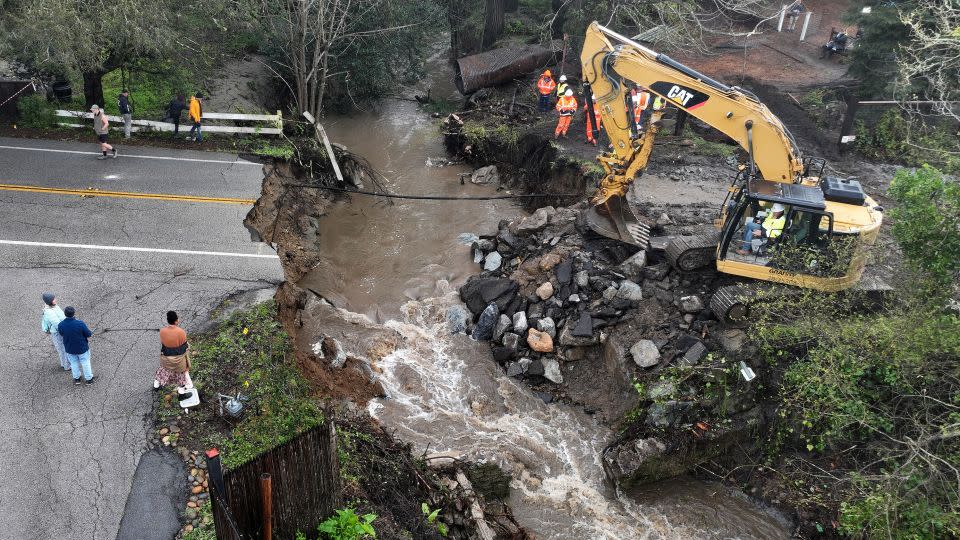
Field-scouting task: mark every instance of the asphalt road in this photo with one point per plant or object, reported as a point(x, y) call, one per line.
point(70, 453)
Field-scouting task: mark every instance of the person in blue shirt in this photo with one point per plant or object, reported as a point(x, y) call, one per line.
point(75, 334)
point(52, 315)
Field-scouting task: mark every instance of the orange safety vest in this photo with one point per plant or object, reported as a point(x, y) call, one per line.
point(567, 105)
point(546, 85)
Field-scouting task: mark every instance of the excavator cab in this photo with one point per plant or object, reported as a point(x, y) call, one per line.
point(807, 249)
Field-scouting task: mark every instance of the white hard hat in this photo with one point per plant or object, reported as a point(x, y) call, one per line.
point(563, 78)
point(569, 92)
point(777, 207)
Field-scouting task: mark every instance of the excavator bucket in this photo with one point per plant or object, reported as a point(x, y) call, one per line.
point(614, 219)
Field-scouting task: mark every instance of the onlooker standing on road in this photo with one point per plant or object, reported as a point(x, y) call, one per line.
point(174, 355)
point(102, 127)
point(174, 110)
point(52, 315)
point(196, 116)
point(123, 103)
point(75, 334)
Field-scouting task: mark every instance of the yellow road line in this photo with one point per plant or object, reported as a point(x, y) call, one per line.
point(125, 194)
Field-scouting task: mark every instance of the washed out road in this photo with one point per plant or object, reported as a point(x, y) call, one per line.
point(69, 453)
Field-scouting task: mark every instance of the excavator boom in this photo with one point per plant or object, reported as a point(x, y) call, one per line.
point(611, 62)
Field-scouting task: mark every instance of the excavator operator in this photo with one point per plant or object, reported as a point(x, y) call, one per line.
point(771, 228)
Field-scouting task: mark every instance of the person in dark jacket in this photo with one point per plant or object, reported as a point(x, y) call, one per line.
point(75, 334)
point(123, 103)
point(175, 110)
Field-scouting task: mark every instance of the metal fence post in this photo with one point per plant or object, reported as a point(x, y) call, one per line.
point(806, 22)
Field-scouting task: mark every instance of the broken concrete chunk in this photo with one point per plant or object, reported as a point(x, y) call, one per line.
point(511, 340)
point(536, 221)
point(583, 279)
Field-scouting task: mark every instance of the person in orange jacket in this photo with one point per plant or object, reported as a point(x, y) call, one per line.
point(545, 86)
point(567, 107)
point(641, 106)
point(196, 116)
point(596, 113)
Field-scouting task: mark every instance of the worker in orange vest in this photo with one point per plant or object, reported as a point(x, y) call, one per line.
point(596, 113)
point(567, 107)
point(545, 86)
point(641, 104)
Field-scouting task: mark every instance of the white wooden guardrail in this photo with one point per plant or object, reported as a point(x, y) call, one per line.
point(273, 123)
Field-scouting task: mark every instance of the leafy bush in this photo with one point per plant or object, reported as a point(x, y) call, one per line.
point(36, 112)
point(927, 220)
point(912, 141)
point(347, 525)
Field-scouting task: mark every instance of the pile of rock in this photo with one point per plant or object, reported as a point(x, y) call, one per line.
point(546, 294)
point(196, 464)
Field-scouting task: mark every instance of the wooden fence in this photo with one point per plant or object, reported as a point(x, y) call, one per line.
point(305, 488)
point(272, 123)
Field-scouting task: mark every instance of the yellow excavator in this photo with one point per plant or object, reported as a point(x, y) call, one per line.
point(829, 223)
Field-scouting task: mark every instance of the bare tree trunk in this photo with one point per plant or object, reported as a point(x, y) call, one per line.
point(93, 88)
point(493, 24)
point(556, 26)
point(511, 6)
point(456, 12)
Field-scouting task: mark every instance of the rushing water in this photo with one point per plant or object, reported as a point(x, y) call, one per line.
point(400, 263)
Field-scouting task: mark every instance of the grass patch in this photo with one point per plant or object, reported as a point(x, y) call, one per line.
point(709, 148)
point(251, 354)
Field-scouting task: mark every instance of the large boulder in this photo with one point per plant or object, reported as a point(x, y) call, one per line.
point(551, 370)
point(547, 325)
point(633, 267)
point(503, 324)
point(483, 331)
point(536, 221)
point(485, 175)
point(539, 341)
point(630, 291)
point(492, 261)
point(645, 353)
point(545, 291)
point(691, 304)
point(479, 292)
point(457, 317)
point(520, 324)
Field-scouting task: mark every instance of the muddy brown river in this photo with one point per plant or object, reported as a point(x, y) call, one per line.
point(400, 264)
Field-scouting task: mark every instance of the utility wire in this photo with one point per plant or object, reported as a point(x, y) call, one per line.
point(434, 197)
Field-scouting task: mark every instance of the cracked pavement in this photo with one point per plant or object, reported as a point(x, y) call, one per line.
point(69, 452)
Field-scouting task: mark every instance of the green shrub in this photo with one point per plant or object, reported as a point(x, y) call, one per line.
point(927, 221)
point(36, 112)
point(898, 138)
point(347, 525)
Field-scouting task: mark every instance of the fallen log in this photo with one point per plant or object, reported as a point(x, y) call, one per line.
point(502, 65)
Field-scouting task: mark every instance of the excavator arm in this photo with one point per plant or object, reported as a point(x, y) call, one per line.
point(611, 62)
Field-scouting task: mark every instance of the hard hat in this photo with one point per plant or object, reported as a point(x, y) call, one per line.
point(569, 92)
point(547, 73)
point(777, 207)
point(563, 78)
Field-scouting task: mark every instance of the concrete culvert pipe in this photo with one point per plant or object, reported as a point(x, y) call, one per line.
point(502, 65)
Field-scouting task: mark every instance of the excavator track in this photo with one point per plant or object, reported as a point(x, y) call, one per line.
point(731, 304)
point(690, 253)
